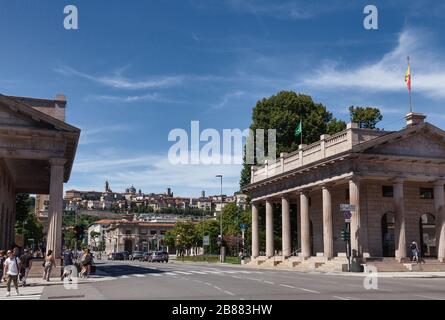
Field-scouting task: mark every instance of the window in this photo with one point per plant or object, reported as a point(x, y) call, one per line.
point(347, 195)
point(153, 232)
point(143, 231)
point(127, 231)
point(387, 191)
point(426, 193)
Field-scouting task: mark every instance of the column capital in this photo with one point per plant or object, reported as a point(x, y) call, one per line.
point(304, 192)
point(355, 178)
point(57, 161)
point(439, 183)
point(398, 180)
point(285, 196)
point(326, 186)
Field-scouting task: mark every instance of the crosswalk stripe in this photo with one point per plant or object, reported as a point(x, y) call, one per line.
point(182, 272)
point(155, 274)
point(170, 274)
point(23, 297)
point(140, 275)
point(198, 272)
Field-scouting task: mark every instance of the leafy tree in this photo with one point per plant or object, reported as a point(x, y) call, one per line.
point(23, 205)
point(185, 236)
point(335, 126)
point(283, 112)
point(208, 228)
point(366, 117)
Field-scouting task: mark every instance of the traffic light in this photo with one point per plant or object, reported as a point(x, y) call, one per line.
point(345, 235)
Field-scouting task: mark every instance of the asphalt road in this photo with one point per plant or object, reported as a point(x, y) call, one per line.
point(186, 281)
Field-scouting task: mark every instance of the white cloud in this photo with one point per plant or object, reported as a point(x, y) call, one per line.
point(118, 81)
point(100, 134)
point(388, 73)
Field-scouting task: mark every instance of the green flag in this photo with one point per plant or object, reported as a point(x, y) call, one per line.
point(298, 130)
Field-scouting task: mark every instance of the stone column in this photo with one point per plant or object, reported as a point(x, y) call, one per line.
point(305, 226)
point(354, 199)
point(269, 230)
point(286, 234)
point(328, 238)
point(439, 203)
point(255, 232)
point(399, 208)
point(54, 238)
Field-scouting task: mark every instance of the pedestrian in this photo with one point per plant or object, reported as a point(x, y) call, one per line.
point(11, 272)
point(414, 249)
point(85, 261)
point(67, 264)
point(2, 261)
point(49, 263)
point(26, 264)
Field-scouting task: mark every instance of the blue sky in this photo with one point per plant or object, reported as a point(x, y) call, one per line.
point(137, 69)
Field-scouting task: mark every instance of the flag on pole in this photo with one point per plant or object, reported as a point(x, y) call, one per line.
point(408, 77)
point(298, 130)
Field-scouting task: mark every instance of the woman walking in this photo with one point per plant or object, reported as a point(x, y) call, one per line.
point(49, 263)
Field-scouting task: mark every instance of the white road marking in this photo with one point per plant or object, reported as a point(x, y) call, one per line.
point(182, 272)
point(229, 293)
point(287, 286)
point(198, 272)
point(429, 297)
point(307, 290)
point(217, 288)
point(140, 275)
point(269, 282)
point(236, 277)
point(341, 298)
point(155, 274)
point(170, 274)
point(124, 277)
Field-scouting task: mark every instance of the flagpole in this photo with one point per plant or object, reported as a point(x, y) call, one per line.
point(410, 86)
point(301, 135)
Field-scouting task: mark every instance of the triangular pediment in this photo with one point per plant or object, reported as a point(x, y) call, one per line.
point(11, 118)
point(14, 113)
point(425, 143)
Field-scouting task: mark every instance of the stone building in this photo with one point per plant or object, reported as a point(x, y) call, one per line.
point(395, 180)
point(37, 150)
point(132, 236)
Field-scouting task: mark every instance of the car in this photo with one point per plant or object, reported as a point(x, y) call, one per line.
point(147, 256)
point(159, 256)
point(116, 256)
point(126, 255)
point(136, 255)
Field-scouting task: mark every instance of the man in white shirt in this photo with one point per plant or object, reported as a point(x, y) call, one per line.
point(11, 272)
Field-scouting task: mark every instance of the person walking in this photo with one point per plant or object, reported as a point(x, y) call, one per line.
point(26, 264)
point(85, 262)
point(49, 263)
point(68, 264)
point(414, 248)
point(11, 272)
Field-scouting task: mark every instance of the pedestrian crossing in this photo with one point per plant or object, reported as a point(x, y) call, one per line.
point(26, 293)
point(173, 273)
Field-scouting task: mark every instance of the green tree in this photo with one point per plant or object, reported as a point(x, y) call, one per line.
point(283, 112)
point(335, 126)
point(185, 236)
point(23, 205)
point(208, 228)
point(365, 117)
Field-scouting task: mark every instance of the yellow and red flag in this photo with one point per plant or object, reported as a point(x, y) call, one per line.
point(408, 77)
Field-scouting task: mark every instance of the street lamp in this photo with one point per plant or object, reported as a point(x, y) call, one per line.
point(221, 226)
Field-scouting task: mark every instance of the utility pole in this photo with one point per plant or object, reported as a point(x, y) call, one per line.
point(221, 258)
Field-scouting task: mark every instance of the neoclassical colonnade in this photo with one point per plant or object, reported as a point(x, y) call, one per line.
point(358, 234)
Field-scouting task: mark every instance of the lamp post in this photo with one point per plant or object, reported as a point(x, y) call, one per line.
point(221, 258)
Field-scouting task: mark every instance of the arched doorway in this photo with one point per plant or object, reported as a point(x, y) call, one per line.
point(388, 239)
point(128, 245)
point(427, 230)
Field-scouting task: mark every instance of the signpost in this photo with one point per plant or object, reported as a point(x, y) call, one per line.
point(347, 210)
point(243, 230)
point(206, 241)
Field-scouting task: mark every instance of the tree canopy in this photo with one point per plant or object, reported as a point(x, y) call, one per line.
point(365, 117)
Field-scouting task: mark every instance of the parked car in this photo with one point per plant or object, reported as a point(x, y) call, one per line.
point(159, 257)
point(136, 255)
point(147, 256)
point(116, 256)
